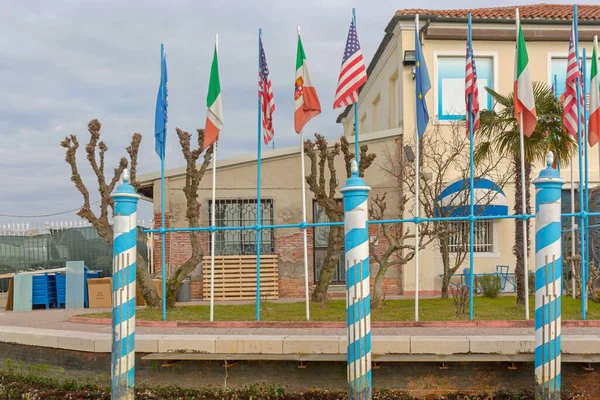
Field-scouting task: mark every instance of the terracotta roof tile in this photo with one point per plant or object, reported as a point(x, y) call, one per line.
point(528, 12)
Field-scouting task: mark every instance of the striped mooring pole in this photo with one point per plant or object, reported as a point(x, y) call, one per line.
point(358, 308)
point(123, 291)
point(548, 281)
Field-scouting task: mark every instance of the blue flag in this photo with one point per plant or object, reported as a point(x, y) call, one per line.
point(160, 118)
point(422, 86)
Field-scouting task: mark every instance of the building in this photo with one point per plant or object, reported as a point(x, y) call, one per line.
point(386, 115)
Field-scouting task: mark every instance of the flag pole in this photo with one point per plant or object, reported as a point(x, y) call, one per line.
point(258, 231)
point(586, 206)
point(356, 145)
point(417, 179)
point(304, 234)
point(580, 154)
point(212, 217)
point(523, 199)
point(471, 173)
point(162, 206)
point(555, 84)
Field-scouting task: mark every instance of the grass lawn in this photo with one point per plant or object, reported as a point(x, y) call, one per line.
point(501, 308)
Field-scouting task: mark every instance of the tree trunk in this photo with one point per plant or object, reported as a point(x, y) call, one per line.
point(444, 249)
point(335, 240)
point(144, 283)
point(518, 209)
point(377, 295)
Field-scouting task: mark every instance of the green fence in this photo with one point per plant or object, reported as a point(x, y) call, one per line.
point(27, 247)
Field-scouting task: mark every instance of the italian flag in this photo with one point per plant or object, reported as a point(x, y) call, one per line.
point(594, 121)
point(306, 102)
point(524, 101)
point(214, 116)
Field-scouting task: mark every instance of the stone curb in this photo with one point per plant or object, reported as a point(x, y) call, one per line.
point(294, 344)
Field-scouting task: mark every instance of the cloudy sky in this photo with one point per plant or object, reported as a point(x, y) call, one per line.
point(65, 62)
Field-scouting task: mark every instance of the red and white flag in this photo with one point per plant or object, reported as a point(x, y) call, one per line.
point(471, 89)
point(353, 73)
point(570, 95)
point(265, 91)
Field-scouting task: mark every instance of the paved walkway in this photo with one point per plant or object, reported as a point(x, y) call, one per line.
point(57, 319)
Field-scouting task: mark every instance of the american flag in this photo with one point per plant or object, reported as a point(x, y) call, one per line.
point(265, 91)
point(570, 104)
point(471, 89)
point(353, 74)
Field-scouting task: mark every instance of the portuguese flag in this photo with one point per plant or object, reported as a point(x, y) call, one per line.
point(214, 117)
point(525, 112)
point(594, 121)
point(306, 102)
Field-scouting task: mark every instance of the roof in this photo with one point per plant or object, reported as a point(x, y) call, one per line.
point(531, 13)
point(541, 11)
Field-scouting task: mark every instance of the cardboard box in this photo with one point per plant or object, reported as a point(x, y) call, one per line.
point(100, 292)
point(139, 299)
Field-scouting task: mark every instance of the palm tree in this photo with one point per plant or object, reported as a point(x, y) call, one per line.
point(499, 133)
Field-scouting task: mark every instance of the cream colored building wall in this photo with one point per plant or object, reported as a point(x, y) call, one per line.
point(280, 181)
point(502, 53)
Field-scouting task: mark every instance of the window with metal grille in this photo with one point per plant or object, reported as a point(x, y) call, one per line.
point(483, 240)
point(241, 212)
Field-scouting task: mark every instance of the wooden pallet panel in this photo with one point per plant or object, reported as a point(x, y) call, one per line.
point(235, 277)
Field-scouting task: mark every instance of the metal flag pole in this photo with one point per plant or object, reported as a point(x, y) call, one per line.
point(523, 199)
point(356, 145)
point(162, 205)
point(471, 173)
point(555, 84)
point(304, 233)
point(580, 154)
point(586, 206)
point(212, 217)
point(259, 148)
point(417, 179)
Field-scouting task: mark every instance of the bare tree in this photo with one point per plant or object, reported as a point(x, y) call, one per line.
point(400, 248)
point(193, 177)
point(322, 165)
point(445, 154)
point(95, 153)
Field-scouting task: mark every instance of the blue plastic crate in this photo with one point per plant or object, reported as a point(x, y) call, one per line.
point(44, 290)
point(61, 287)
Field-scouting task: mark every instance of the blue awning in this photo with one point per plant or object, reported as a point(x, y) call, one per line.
point(490, 200)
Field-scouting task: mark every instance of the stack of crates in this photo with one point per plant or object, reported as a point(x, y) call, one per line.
point(44, 290)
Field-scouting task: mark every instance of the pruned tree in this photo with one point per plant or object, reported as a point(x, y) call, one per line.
point(95, 151)
point(323, 183)
point(193, 177)
point(445, 158)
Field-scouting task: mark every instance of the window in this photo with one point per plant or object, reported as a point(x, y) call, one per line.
point(241, 212)
point(393, 93)
point(320, 242)
point(451, 86)
point(558, 75)
point(374, 110)
point(483, 241)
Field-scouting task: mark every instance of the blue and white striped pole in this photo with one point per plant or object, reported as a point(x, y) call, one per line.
point(123, 292)
point(548, 282)
point(358, 308)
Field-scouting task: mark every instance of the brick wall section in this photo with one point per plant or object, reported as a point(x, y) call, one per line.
point(289, 247)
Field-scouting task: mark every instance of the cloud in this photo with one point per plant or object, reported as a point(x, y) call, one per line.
point(66, 62)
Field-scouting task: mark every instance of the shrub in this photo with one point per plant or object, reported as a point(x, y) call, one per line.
point(491, 285)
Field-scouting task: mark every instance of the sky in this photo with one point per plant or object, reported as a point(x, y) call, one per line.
point(66, 62)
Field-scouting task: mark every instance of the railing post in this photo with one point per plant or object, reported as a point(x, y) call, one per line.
point(358, 308)
point(548, 281)
point(123, 290)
